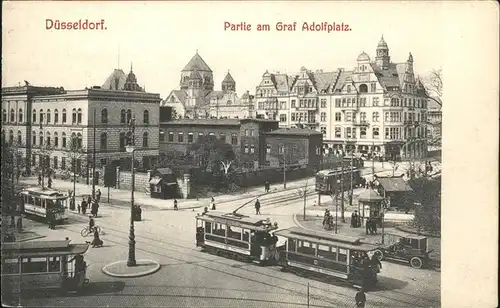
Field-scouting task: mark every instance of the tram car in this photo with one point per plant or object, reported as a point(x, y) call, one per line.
point(37, 201)
point(329, 180)
point(329, 256)
point(237, 236)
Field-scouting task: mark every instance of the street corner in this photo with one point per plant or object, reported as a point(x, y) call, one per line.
point(122, 270)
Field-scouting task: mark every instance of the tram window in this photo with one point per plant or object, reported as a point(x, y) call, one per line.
point(234, 232)
point(324, 251)
point(10, 266)
point(246, 235)
point(342, 255)
point(34, 265)
point(220, 229)
point(291, 244)
point(306, 248)
point(208, 227)
point(54, 264)
point(49, 203)
point(31, 200)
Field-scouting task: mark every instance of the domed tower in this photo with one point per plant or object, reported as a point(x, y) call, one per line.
point(131, 82)
point(198, 64)
point(363, 62)
point(382, 58)
point(228, 84)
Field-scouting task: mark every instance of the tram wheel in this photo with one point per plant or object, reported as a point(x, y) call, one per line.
point(416, 262)
point(379, 254)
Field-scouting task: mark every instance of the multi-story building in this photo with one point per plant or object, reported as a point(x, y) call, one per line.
point(377, 108)
point(91, 118)
point(197, 98)
point(434, 118)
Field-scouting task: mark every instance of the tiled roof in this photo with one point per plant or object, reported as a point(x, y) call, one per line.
point(325, 80)
point(228, 78)
point(294, 131)
point(197, 63)
point(401, 69)
point(342, 80)
point(281, 82)
point(195, 75)
point(388, 77)
point(111, 84)
point(204, 122)
point(393, 184)
point(181, 95)
point(218, 94)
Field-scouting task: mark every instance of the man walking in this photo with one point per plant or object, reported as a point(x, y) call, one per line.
point(175, 205)
point(360, 298)
point(98, 195)
point(257, 207)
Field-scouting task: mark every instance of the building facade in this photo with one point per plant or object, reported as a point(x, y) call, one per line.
point(49, 122)
point(294, 146)
point(435, 119)
point(196, 97)
point(378, 108)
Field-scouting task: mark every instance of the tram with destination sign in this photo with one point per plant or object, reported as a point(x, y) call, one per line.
point(237, 236)
point(333, 180)
point(39, 202)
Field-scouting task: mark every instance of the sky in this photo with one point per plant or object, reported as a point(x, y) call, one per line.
point(159, 38)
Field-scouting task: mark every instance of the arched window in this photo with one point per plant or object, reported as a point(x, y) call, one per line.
point(129, 115)
point(56, 139)
point(56, 116)
point(3, 137)
point(48, 115)
point(79, 115)
point(338, 133)
point(11, 137)
point(122, 140)
point(20, 116)
point(229, 102)
point(73, 116)
point(40, 138)
point(33, 138)
point(63, 141)
point(12, 116)
point(19, 138)
point(129, 140)
point(47, 138)
point(73, 141)
point(375, 132)
point(104, 115)
point(146, 117)
point(4, 116)
point(104, 141)
point(122, 116)
point(64, 116)
point(41, 115)
point(79, 140)
point(363, 88)
point(145, 140)
point(34, 116)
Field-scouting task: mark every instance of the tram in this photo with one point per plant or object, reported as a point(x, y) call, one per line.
point(43, 265)
point(329, 255)
point(36, 201)
point(329, 180)
point(235, 235)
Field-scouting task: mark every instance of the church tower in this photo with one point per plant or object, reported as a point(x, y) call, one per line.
point(197, 64)
point(382, 59)
point(194, 88)
point(228, 84)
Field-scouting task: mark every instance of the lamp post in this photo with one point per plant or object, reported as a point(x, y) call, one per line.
point(284, 168)
point(131, 244)
point(336, 206)
point(93, 160)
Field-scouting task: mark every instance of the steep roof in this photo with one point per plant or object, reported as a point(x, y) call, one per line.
point(394, 184)
point(294, 132)
point(388, 77)
point(325, 80)
point(181, 95)
point(282, 82)
point(111, 82)
point(197, 63)
point(218, 94)
point(228, 78)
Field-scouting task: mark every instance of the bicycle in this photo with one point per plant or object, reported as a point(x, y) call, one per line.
point(86, 231)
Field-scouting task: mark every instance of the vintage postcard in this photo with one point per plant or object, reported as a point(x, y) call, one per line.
point(249, 154)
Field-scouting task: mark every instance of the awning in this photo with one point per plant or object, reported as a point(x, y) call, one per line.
point(155, 181)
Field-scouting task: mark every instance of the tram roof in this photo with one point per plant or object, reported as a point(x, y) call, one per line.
point(325, 238)
point(325, 172)
point(44, 192)
point(42, 248)
point(237, 220)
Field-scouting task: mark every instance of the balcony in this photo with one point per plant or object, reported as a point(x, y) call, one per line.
point(411, 122)
point(360, 123)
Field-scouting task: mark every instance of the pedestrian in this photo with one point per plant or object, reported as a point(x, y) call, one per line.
point(368, 225)
point(79, 207)
point(50, 219)
point(212, 202)
point(267, 186)
point(39, 179)
point(360, 298)
point(96, 207)
point(374, 226)
point(98, 195)
point(175, 205)
point(93, 210)
point(354, 219)
point(50, 183)
point(257, 207)
point(376, 262)
point(89, 200)
point(84, 206)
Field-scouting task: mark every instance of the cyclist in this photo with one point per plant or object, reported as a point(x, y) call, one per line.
point(91, 224)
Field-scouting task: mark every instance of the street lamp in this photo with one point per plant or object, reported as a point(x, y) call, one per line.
point(336, 207)
point(284, 168)
point(131, 244)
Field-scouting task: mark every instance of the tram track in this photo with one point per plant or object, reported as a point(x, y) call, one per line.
point(244, 268)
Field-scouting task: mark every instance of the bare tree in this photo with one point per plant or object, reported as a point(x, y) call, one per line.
point(75, 154)
point(434, 85)
point(226, 165)
point(303, 193)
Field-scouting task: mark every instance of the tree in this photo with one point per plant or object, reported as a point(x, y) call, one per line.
point(75, 154)
point(427, 193)
point(8, 200)
point(433, 85)
point(43, 168)
point(212, 154)
point(303, 193)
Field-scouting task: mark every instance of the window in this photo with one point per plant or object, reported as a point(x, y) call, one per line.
point(11, 137)
point(348, 132)
point(4, 116)
point(180, 137)
point(104, 116)
point(338, 116)
point(375, 132)
point(40, 139)
point(323, 130)
point(34, 116)
point(375, 101)
point(170, 137)
point(79, 141)
point(234, 139)
point(64, 140)
point(362, 133)
point(283, 105)
point(323, 103)
point(362, 117)
point(33, 141)
point(246, 132)
point(318, 150)
point(10, 266)
point(19, 138)
point(268, 148)
point(162, 135)
point(129, 115)
point(337, 102)
point(63, 163)
point(349, 89)
point(129, 140)
point(375, 116)
point(48, 138)
point(34, 265)
point(56, 139)
point(122, 141)
point(73, 118)
point(123, 116)
point(246, 149)
point(252, 149)
point(55, 162)
point(252, 133)
point(373, 87)
point(190, 138)
point(145, 140)
point(363, 88)
point(33, 159)
point(386, 117)
point(48, 115)
point(281, 149)
point(146, 117)
point(222, 137)
point(56, 116)
point(64, 116)
point(323, 117)
point(342, 255)
point(41, 115)
point(349, 102)
point(12, 116)
point(338, 132)
point(104, 141)
point(324, 251)
point(362, 102)
point(293, 116)
point(20, 116)
point(387, 133)
point(282, 117)
point(293, 103)
point(306, 248)
point(79, 113)
point(348, 116)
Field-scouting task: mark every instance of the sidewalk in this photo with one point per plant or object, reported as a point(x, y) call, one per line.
point(122, 197)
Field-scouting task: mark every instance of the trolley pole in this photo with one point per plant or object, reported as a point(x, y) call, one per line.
point(93, 161)
point(284, 168)
point(342, 191)
point(352, 192)
point(308, 295)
